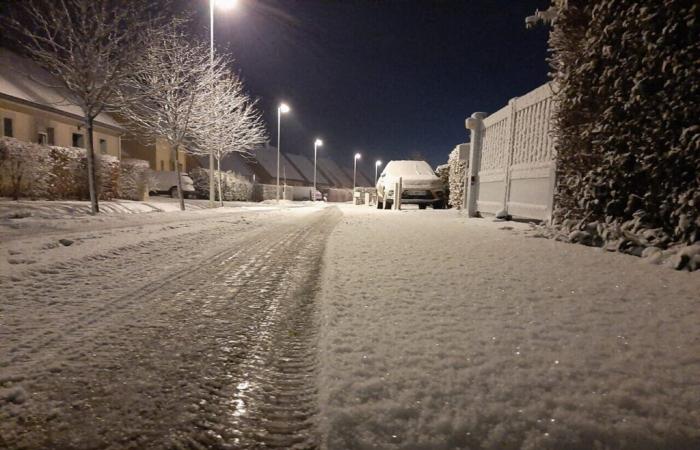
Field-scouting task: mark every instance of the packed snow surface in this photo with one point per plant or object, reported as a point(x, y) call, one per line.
point(257, 326)
point(440, 332)
point(191, 329)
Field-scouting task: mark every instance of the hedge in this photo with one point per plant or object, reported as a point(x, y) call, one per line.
point(55, 173)
point(628, 139)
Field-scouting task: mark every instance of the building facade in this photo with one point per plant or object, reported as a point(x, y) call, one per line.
point(33, 109)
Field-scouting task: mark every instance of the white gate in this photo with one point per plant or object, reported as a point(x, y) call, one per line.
point(513, 168)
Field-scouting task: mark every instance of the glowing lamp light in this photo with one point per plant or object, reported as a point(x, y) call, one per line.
point(318, 142)
point(226, 4)
point(284, 108)
point(358, 156)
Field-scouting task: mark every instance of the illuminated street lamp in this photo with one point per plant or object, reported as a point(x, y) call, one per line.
point(225, 5)
point(376, 167)
point(283, 108)
point(317, 144)
point(354, 172)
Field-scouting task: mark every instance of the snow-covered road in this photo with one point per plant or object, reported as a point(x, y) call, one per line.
point(340, 328)
point(191, 330)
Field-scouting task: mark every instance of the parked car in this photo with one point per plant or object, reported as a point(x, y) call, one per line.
point(165, 182)
point(420, 185)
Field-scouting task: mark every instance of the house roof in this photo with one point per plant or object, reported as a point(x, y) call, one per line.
point(335, 173)
point(306, 167)
point(236, 162)
point(22, 80)
point(267, 159)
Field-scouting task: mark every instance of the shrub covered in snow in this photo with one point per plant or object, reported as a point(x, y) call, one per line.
point(443, 172)
point(38, 171)
point(23, 169)
point(134, 179)
point(233, 186)
point(628, 168)
point(457, 170)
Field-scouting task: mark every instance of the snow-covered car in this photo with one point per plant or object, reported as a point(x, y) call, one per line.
point(165, 182)
point(419, 183)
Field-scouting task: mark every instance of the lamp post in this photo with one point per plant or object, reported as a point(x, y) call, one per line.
point(317, 144)
point(283, 108)
point(354, 174)
point(376, 167)
point(225, 5)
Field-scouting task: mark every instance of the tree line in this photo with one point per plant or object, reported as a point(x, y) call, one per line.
point(134, 59)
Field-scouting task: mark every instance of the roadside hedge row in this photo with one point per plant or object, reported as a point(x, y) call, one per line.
point(29, 170)
point(233, 186)
point(628, 164)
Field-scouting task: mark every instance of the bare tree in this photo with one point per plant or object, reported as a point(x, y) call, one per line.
point(88, 46)
point(237, 124)
point(171, 78)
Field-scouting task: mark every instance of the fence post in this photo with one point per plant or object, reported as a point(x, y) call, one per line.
point(511, 150)
point(475, 125)
point(398, 195)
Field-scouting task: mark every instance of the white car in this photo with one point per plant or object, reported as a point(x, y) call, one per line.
point(165, 182)
point(419, 183)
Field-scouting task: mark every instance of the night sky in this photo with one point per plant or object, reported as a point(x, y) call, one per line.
point(386, 78)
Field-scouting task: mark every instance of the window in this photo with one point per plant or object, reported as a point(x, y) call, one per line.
point(162, 165)
point(103, 147)
point(50, 136)
point(78, 140)
point(42, 138)
point(172, 165)
point(179, 166)
point(7, 127)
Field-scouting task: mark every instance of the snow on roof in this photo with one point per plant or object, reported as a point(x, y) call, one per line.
point(306, 167)
point(24, 80)
point(331, 169)
point(236, 162)
point(267, 158)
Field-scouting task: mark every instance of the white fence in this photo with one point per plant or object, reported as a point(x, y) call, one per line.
point(512, 160)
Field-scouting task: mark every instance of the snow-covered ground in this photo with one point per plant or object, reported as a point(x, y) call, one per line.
point(172, 330)
point(305, 326)
point(440, 332)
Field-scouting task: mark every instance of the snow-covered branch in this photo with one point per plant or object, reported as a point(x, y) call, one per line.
point(89, 47)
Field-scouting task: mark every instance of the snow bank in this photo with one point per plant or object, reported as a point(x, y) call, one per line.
point(440, 332)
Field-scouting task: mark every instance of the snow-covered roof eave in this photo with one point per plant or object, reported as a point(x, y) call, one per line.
point(60, 112)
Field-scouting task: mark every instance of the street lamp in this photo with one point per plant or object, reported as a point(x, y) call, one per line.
point(376, 167)
point(225, 5)
point(317, 144)
point(283, 108)
point(354, 173)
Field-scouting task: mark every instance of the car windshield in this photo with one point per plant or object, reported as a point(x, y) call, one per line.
point(409, 168)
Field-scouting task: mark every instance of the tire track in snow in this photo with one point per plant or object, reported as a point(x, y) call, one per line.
point(252, 335)
point(41, 338)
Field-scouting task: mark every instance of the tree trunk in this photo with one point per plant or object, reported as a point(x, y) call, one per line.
point(218, 172)
point(179, 178)
point(92, 184)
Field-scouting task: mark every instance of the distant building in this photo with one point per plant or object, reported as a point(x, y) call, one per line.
point(34, 109)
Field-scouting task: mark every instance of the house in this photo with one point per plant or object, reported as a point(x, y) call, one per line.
point(34, 109)
point(305, 166)
point(158, 153)
point(265, 168)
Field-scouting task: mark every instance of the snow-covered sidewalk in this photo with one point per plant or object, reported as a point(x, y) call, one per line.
point(440, 332)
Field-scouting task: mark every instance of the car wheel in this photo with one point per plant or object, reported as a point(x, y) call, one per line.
point(380, 204)
point(388, 204)
point(422, 206)
point(173, 192)
point(439, 205)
